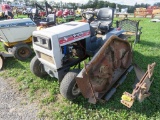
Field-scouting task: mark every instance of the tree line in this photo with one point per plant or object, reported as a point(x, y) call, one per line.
point(96, 4)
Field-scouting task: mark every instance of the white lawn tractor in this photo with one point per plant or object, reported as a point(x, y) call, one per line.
point(61, 49)
point(16, 35)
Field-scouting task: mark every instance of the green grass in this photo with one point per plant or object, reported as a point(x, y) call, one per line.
point(45, 91)
point(58, 19)
point(20, 16)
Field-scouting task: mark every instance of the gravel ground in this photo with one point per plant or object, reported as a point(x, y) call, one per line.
point(15, 105)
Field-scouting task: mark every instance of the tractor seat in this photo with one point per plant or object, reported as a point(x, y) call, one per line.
point(104, 20)
point(50, 20)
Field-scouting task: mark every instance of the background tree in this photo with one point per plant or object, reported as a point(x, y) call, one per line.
point(101, 3)
point(157, 4)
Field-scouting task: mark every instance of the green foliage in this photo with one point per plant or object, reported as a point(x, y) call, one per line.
point(54, 106)
point(100, 3)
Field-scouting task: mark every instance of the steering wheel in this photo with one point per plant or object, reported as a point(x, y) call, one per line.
point(89, 16)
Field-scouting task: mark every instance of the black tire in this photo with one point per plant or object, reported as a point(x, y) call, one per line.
point(68, 86)
point(22, 51)
point(1, 62)
point(37, 68)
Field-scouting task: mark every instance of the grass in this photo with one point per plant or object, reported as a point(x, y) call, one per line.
point(52, 105)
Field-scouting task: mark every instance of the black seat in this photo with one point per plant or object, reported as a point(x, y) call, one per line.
point(104, 20)
point(50, 20)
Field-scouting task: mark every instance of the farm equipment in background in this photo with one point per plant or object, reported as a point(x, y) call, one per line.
point(140, 12)
point(43, 18)
point(5, 11)
point(72, 12)
point(155, 12)
point(49, 21)
point(49, 8)
point(36, 14)
point(68, 18)
point(59, 13)
point(150, 10)
point(64, 16)
point(78, 12)
point(69, 14)
point(66, 12)
point(16, 35)
point(42, 12)
point(88, 16)
point(122, 13)
point(65, 46)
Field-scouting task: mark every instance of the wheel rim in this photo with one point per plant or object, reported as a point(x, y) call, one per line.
point(75, 90)
point(24, 52)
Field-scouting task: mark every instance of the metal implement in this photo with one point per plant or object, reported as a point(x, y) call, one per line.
point(141, 90)
point(105, 68)
point(118, 83)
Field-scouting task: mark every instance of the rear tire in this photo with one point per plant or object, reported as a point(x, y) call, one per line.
point(22, 51)
point(68, 86)
point(37, 68)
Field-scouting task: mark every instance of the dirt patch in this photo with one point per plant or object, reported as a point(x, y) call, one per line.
point(15, 105)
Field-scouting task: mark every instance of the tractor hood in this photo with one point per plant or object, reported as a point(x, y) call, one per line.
point(16, 30)
point(16, 23)
point(65, 33)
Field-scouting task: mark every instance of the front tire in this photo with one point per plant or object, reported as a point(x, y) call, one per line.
point(22, 51)
point(68, 86)
point(37, 68)
point(1, 62)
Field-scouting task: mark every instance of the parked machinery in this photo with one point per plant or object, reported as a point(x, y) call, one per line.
point(65, 46)
point(16, 35)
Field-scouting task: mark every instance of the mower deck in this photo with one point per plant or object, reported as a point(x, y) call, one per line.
point(105, 68)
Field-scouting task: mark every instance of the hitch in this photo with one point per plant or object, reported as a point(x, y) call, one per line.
point(141, 90)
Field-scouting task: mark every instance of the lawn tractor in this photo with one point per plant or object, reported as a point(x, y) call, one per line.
point(60, 51)
point(16, 35)
point(78, 12)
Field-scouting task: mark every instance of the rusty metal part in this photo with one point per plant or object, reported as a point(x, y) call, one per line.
point(93, 99)
point(105, 68)
point(141, 90)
